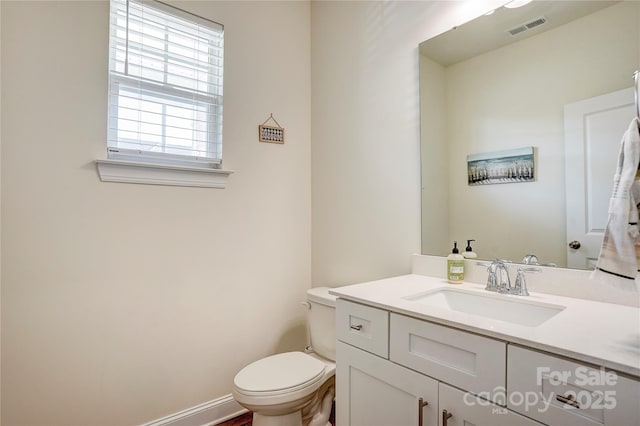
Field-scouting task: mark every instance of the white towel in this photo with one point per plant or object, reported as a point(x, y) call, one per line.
point(619, 255)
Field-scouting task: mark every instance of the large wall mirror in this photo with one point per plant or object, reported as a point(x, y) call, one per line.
point(512, 80)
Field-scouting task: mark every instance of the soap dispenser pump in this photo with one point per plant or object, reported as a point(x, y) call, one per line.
point(468, 252)
point(455, 265)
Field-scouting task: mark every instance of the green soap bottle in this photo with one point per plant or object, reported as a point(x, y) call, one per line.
point(455, 265)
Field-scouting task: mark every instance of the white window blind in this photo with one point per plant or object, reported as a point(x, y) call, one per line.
point(165, 85)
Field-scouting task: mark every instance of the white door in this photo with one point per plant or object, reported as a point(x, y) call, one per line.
point(593, 132)
point(372, 391)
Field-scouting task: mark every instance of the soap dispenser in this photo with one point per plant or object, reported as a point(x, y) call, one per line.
point(455, 265)
point(468, 252)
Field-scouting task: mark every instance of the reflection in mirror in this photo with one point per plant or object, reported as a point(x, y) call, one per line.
point(483, 90)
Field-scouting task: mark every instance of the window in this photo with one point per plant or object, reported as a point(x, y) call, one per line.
point(165, 86)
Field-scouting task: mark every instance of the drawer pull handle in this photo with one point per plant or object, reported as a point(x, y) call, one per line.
point(356, 327)
point(445, 416)
point(421, 404)
point(568, 400)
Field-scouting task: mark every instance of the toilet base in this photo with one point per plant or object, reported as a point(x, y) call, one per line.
point(315, 413)
point(291, 419)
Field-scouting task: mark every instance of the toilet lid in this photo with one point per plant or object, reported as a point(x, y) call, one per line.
point(279, 372)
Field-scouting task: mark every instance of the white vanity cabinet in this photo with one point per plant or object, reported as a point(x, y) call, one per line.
point(396, 370)
point(404, 383)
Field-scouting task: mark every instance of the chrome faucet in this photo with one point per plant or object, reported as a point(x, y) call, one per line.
point(498, 279)
point(532, 259)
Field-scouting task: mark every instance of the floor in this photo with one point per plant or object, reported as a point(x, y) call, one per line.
point(245, 419)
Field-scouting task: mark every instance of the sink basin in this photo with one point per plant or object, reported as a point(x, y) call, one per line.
point(511, 309)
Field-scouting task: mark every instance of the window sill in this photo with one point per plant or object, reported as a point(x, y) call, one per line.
point(161, 174)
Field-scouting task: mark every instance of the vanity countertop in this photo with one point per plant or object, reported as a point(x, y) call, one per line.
point(603, 334)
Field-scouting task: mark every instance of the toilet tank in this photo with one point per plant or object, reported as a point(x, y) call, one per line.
point(321, 319)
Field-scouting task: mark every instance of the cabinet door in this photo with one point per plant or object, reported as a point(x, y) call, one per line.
point(627, 397)
point(371, 391)
point(464, 409)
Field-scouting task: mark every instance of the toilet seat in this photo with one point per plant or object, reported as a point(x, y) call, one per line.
point(279, 374)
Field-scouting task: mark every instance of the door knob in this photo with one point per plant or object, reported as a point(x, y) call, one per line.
point(574, 245)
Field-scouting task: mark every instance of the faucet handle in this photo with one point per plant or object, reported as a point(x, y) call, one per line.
point(503, 281)
point(495, 275)
point(531, 259)
point(493, 263)
point(492, 280)
point(520, 288)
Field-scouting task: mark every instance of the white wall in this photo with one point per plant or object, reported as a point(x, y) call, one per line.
point(434, 158)
point(109, 322)
point(122, 303)
point(366, 132)
point(587, 57)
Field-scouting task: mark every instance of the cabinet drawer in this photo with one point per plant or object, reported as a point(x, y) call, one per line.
point(462, 359)
point(363, 326)
point(557, 391)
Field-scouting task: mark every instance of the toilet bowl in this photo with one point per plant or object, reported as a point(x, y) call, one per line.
point(295, 388)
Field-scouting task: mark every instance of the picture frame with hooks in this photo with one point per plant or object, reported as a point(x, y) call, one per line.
point(271, 134)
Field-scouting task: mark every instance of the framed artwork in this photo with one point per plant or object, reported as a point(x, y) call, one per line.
point(507, 166)
point(271, 134)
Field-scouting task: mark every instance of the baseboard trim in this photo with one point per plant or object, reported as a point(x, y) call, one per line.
point(206, 414)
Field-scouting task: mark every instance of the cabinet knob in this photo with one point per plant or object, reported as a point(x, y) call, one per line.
point(569, 400)
point(445, 416)
point(574, 245)
point(421, 404)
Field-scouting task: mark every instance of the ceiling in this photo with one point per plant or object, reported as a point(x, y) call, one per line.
point(490, 32)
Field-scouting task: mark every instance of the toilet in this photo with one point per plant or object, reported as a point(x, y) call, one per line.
point(295, 388)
